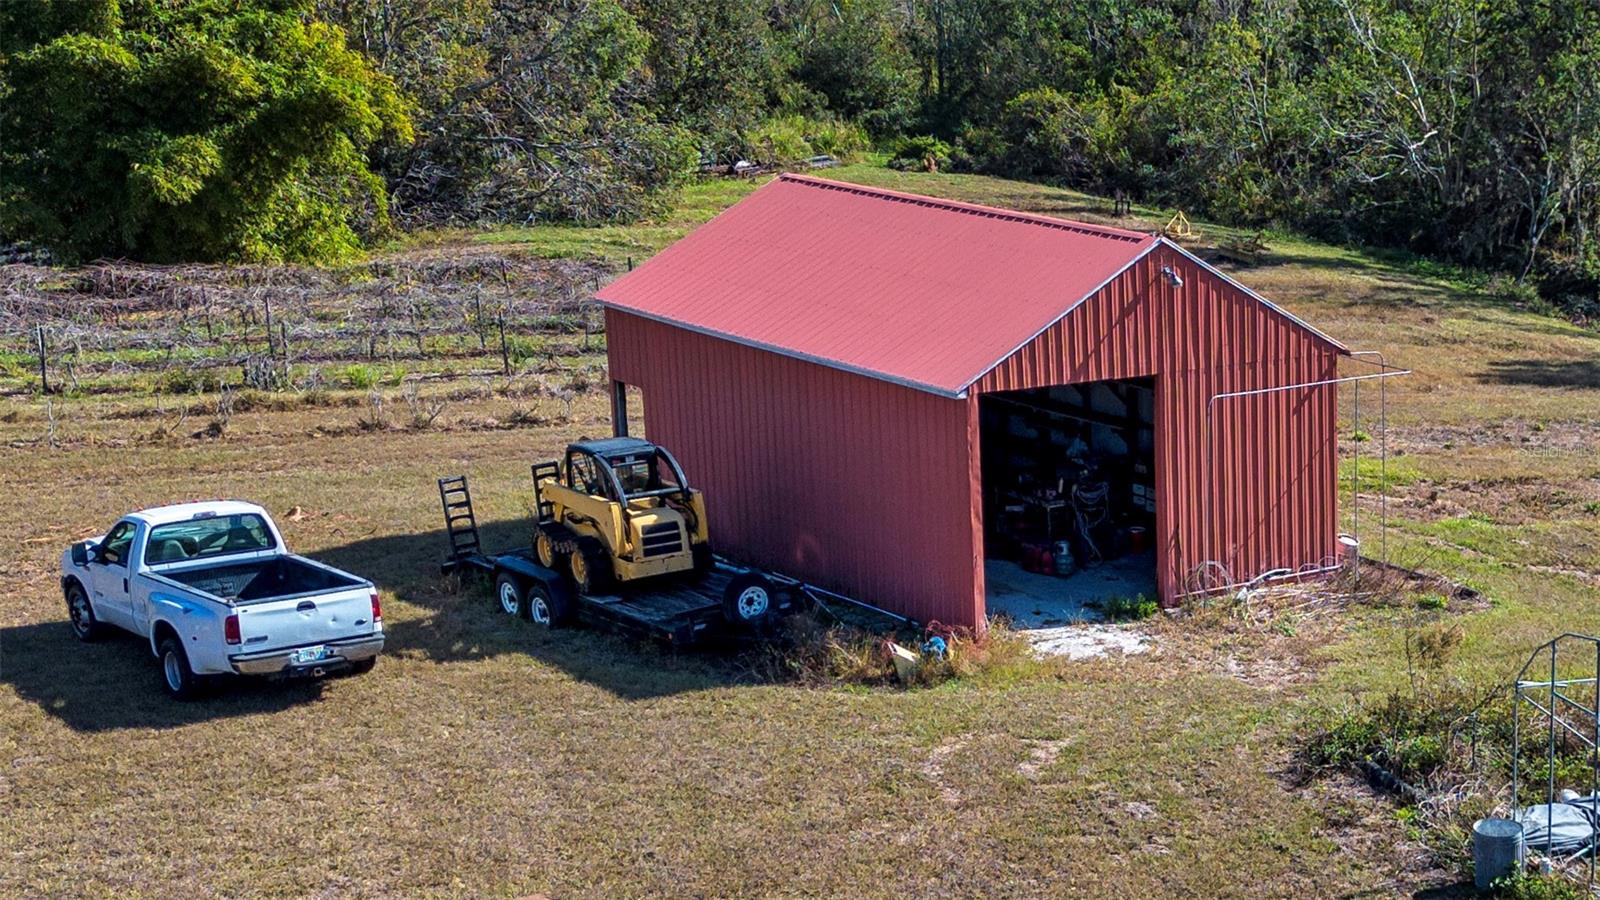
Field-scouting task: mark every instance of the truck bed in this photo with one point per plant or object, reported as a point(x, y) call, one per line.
point(259, 580)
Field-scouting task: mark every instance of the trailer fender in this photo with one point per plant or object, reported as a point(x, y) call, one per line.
point(526, 568)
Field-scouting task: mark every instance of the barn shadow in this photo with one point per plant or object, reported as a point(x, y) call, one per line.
point(463, 622)
point(115, 683)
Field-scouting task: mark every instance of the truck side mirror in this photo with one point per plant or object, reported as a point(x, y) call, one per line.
point(80, 553)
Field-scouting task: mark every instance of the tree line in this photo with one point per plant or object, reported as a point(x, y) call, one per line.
point(1468, 130)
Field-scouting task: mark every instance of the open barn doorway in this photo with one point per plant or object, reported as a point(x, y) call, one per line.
point(1069, 500)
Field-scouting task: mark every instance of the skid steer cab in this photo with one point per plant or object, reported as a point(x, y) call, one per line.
point(618, 510)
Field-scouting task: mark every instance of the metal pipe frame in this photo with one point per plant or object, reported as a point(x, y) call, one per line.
point(1526, 690)
point(1385, 372)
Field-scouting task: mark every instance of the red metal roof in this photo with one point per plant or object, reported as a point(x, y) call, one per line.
point(925, 292)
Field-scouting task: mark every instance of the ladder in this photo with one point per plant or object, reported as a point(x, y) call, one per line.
point(459, 523)
point(541, 471)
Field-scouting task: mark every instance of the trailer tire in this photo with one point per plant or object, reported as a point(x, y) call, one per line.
point(548, 605)
point(591, 567)
point(511, 594)
point(749, 600)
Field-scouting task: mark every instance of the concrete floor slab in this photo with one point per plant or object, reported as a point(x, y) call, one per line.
point(1046, 601)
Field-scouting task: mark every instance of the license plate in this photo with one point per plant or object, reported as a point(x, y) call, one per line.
point(308, 655)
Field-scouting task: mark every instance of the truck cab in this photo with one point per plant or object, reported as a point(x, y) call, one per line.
point(618, 510)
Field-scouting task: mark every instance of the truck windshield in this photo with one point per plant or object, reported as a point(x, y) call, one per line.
point(211, 536)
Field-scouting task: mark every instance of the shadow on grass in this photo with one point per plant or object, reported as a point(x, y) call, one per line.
point(1571, 374)
point(115, 683)
point(463, 622)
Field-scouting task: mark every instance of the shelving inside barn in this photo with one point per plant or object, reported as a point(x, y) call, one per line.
point(1068, 484)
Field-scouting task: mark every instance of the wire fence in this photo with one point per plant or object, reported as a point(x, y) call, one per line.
point(72, 328)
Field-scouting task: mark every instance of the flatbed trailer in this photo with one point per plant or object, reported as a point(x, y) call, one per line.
point(673, 608)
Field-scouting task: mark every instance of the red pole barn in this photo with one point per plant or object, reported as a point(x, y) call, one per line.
point(890, 395)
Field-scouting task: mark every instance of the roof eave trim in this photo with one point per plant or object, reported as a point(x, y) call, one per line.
point(784, 351)
point(1337, 345)
point(1064, 313)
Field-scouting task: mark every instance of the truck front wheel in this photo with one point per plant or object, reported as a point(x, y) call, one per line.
point(84, 625)
point(176, 676)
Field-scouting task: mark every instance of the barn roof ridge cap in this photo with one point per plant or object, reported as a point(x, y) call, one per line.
point(976, 209)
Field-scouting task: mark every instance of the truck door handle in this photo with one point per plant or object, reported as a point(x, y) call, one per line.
point(124, 585)
point(305, 606)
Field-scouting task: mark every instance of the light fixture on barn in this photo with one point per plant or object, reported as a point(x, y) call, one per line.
point(1173, 278)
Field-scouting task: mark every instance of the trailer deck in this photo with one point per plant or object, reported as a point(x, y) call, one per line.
point(671, 608)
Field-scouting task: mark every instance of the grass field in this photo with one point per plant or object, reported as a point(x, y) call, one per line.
point(482, 757)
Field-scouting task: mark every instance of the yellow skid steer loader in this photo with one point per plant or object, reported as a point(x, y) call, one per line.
point(618, 510)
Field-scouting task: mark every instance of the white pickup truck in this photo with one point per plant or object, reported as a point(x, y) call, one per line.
point(213, 588)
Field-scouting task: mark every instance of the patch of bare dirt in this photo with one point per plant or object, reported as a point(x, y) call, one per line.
point(1508, 501)
point(1041, 755)
point(1579, 435)
point(933, 769)
point(1363, 825)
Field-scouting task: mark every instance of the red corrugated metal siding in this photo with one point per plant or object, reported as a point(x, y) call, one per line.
point(862, 486)
point(1247, 483)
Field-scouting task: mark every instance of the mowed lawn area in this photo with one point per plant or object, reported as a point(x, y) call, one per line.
point(483, 757)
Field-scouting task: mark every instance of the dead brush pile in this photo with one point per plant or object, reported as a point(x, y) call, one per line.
point(811, 651)
point(1285, 605)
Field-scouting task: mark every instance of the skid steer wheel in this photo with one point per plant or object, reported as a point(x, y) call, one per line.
point(547, 607)
point(591, 567)
point(546, 550)
point(750, 600)
point(510, 593)
point(704, 560)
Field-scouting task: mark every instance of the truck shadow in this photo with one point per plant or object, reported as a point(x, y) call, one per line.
point(115, 683)
point(461, 621)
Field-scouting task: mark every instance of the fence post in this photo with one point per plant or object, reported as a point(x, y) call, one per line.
point(44, 366)
point(505, 352)
point(266, 303)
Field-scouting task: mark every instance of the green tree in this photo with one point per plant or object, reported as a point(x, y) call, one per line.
point(189, 131)
point(713, 67)
point(851, 52)
point(527, 109)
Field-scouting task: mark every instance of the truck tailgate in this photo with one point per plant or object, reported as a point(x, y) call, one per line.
point(305, 620)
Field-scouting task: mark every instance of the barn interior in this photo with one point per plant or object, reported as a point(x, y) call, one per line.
point(1069, 504)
